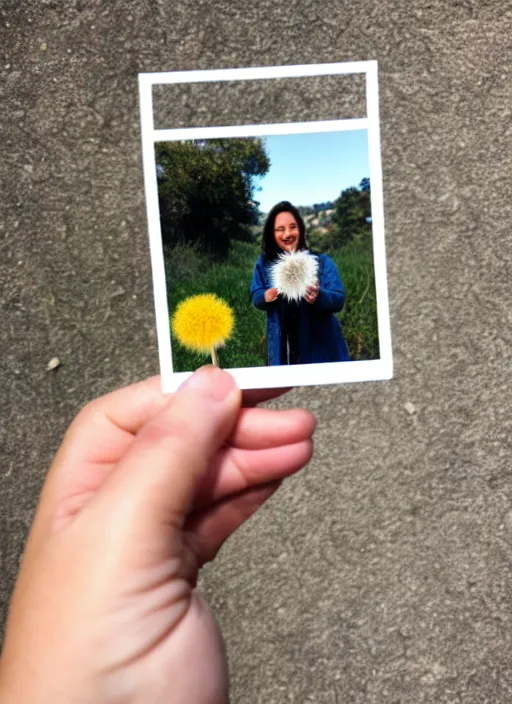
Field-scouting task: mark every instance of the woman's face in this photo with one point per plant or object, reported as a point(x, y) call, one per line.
point(286, 232)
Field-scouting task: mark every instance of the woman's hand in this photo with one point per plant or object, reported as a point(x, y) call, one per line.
point(271, 294)
point(143, 491)
point(312, 293)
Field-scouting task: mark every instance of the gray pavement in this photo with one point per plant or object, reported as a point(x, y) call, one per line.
point(381, 574)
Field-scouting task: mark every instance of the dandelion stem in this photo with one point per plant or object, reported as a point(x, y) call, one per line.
point(215, 359)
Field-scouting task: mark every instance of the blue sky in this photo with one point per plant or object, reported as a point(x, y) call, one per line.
point(311, 168)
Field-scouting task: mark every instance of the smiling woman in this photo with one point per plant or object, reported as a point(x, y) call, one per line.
point(286, 231)
point(300, 329)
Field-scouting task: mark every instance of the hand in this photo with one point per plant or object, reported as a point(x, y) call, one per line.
point(271, 294)
point(143, 491)
point(312, 293)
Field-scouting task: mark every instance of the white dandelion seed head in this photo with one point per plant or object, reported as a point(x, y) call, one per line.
point(293, 273)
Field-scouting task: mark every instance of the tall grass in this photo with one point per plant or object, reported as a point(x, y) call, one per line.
point(190, 271)
point(359, 315)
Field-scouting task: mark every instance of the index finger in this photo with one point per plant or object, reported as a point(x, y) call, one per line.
point(131, 407)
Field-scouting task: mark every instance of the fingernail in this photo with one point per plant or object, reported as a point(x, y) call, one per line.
point(211, 381)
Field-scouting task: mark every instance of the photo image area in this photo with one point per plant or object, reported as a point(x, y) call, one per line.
point(214, 198)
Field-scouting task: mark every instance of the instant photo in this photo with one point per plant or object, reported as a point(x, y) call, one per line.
point(267, 244)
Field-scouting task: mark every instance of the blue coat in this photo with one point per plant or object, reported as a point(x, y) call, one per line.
point(320, 338)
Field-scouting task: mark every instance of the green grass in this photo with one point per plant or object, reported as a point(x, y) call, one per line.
point(190, 271)
point(359, 316)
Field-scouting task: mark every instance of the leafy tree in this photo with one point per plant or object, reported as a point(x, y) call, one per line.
point(318, 207)
point(352, 211)
point(366, 204)
point(206, 188)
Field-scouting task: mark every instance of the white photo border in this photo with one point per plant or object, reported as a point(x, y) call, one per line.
point(269, 376)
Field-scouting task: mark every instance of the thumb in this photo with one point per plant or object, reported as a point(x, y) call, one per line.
point(155, 483)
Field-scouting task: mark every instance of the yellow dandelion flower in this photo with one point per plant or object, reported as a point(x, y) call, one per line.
point(203, 323)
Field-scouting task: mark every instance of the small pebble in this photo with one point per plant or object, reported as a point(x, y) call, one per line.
point(53, 364)
point(410, 408)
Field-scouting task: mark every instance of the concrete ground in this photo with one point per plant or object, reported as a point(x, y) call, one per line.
point(381, 574)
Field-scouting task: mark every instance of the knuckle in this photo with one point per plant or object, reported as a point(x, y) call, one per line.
point(169, 430)
point(87, 414)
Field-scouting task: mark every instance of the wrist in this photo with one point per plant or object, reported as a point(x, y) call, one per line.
point(7, 693)
point(22, 684)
